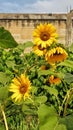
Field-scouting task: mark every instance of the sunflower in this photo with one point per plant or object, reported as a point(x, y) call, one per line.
point(39, 50)
point(45, 35)
point(20, 88)
point(57, 54)
point(54, 80)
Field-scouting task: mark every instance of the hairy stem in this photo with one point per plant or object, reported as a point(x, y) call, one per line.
point(69, 95)
point(4, 117)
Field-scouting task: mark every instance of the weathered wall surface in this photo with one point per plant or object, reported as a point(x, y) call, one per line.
point(21, 26)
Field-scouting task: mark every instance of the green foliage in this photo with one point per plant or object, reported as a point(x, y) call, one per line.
point(40, 100)
point(3, 93)
point(45, 72)
point(51, 105)
point(47, 117)
point(6, 39)
point(51, 90)
point(66, 63)
point(68, 121)
point(2, 127)
point(61, 127)
point(68, 78)
point(4, 78)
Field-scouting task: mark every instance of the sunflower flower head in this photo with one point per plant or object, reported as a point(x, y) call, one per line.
point(55, 55)
point(20, 87)
point(54, 80)
point(38, 50)
point(45, 35)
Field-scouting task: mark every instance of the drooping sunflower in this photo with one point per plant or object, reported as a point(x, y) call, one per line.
point(57, 54)
point(45, 35)
point(39, 50)
point(20, 87)
point(54, 80)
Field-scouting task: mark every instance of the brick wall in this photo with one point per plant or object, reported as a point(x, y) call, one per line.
point(21, 26)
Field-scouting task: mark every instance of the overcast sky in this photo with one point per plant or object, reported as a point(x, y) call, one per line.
point(35, 6)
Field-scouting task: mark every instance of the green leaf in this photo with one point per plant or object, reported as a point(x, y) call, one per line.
point(6, 39)
point(68, 121)
point(28, 109)
point(40, 99)
point(47, 117)
point(60, 75)
point(3, 93)
point(34, 90)
point(26, 47)
point(28, 44)
point(4, 78)
point(61, 127)
point(10, 63)
point(66, 63)
point(68, 77)
point(20, 46)
point(25, 107)
point(45, 72)
point(2, 127)
point(51, 90)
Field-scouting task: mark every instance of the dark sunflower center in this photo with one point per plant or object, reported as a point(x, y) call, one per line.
point(55, 77)
point(23, 89)
point(44, 36)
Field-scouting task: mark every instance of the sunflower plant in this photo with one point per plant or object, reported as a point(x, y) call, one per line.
point(36, 87)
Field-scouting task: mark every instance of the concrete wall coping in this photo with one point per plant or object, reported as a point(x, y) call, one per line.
point(11, 16)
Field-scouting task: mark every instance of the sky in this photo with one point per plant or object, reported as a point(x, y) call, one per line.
point(35, 6)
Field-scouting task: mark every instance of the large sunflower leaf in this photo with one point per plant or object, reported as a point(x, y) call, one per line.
point(2, 127)
point(61, 127)
point(66, 63)
point(6, 39)
point(68, 121)
point(68, 77)
point(48, 119)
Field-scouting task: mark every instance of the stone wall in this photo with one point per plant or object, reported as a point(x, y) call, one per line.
point(21, 26)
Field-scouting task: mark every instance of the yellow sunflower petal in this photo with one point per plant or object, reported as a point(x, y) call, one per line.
point(57, 54)
point(18, 98)
point(16, 81)
point(15, 95)
point(45, 35)
point(26, 96)
point(21, 87)
point(14, 86)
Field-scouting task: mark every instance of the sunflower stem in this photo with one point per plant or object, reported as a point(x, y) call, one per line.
point(4, 117)
point(61, 107)
point(69, 95)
